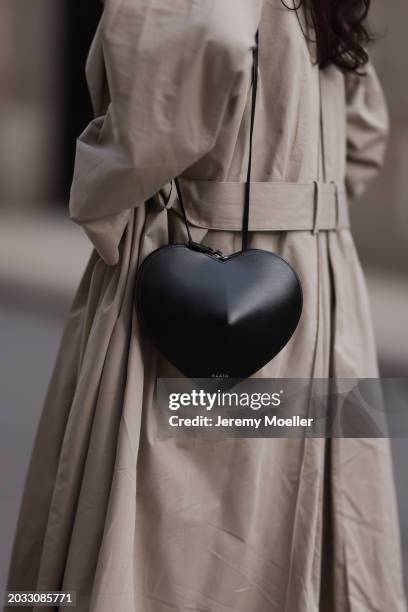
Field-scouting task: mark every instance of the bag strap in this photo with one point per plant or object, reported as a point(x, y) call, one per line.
point(245, 221)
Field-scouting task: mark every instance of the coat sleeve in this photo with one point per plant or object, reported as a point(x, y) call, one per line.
point(367, 129)
point(171, 70)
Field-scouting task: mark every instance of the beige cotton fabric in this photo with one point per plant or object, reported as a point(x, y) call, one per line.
point(135, 523)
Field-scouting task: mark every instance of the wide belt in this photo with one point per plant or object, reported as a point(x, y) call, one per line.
point(275, 206)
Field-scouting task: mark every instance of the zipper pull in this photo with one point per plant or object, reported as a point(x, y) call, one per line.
point(203, 248)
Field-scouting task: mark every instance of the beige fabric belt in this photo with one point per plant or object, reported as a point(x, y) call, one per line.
point(275, 206)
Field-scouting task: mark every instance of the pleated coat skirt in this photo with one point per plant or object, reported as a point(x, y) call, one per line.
point(136, 523)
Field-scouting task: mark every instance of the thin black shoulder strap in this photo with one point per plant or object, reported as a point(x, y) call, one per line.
point(245, 221)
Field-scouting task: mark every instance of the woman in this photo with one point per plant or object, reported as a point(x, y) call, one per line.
point(139, 524)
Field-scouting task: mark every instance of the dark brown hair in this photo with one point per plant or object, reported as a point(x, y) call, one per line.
point(341, 33)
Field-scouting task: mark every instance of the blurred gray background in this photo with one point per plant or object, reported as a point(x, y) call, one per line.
point(43, 108)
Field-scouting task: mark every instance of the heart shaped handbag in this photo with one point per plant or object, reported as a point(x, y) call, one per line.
point(214, 315)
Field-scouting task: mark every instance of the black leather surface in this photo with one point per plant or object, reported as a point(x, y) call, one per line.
point(212, 317)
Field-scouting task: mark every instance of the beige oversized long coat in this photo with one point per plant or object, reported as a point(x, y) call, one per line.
point(133, 523)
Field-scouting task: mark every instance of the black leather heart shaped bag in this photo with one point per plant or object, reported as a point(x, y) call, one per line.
point(213, 315)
